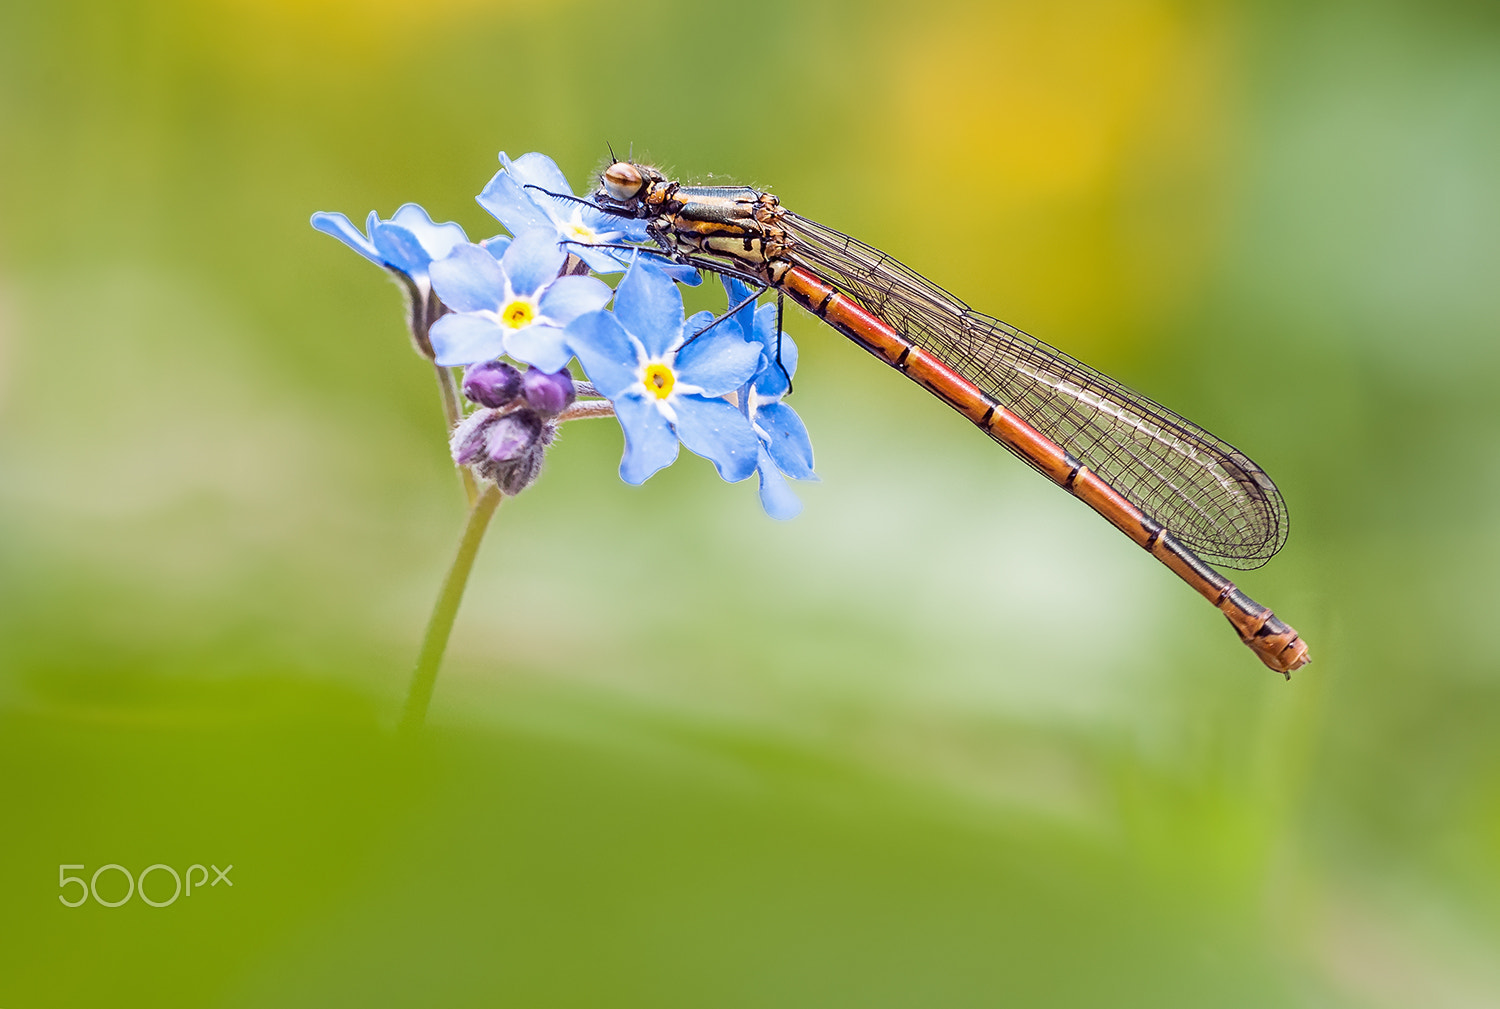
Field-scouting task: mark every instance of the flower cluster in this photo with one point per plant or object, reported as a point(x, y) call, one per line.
point(505, 438)
point(535, 297)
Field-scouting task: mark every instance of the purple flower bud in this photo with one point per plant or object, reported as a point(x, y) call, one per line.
point(468, 439)
point(506, 447)
point(492, 383)
point(550, 394)
point(512, 435)
point(514, 477)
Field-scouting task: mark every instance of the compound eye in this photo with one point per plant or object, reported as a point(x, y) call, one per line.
point(622, 181)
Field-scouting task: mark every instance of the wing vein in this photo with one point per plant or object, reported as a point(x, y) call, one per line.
point(1206, 492)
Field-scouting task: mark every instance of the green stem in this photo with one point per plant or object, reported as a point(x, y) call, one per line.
point(440, 624)
point(453, 412)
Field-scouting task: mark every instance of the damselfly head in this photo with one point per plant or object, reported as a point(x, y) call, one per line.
point(624, 181)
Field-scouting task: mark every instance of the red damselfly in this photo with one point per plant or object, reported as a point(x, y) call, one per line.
point(1175, 489)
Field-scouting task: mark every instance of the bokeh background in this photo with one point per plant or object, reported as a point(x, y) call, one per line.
point(946, 739)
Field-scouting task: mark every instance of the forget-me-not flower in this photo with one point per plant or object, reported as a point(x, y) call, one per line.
point(666, 390)
point(518, 197)
point(516, 305)
point(406, 245)
point(784, 450)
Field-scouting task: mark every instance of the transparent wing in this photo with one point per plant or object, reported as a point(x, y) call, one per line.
point(1206, 492)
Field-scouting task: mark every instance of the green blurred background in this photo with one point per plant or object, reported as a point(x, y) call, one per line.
point(944, 740)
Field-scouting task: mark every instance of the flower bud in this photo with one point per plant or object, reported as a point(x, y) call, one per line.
point(492, 383)
point(508, 448)
point(515, 476)
point(512, 436)
point(549, 393)
point(467, 442)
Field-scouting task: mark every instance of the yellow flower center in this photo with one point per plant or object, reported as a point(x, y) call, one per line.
point(518, 314)
point(659, 380)
point(582, 233)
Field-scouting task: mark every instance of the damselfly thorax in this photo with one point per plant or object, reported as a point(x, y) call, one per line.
point(733, 226)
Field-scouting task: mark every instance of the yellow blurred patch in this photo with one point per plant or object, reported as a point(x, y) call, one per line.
point(1040, 98)
point(366, 17)
point(349, 34)
point(1084, 139)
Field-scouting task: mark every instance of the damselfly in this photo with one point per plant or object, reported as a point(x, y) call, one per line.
point(1172, 487)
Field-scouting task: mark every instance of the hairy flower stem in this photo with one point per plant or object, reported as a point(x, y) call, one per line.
point(588, 409)
point(440, 624)
point(453, 412)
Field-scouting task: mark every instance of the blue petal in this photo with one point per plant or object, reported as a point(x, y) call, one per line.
point(458, 338)
point(437, 239)
point(343, 229)
point(532, 260)
point(771, 382)
point(649, 306)
point(776, 496)
point(697, 323)
point(718, 361)
point(541, 345)
point(631, 229)
point(607, 356)
point(718, 432)
point(650, 444)
point(600, 260)
point(683, 273)
point(744, 320)
point(400, 248)
point(536, 169)
point(789, 445)
point(566, 298)
point(496, 246)
point(511, 205)
point(469, 280)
